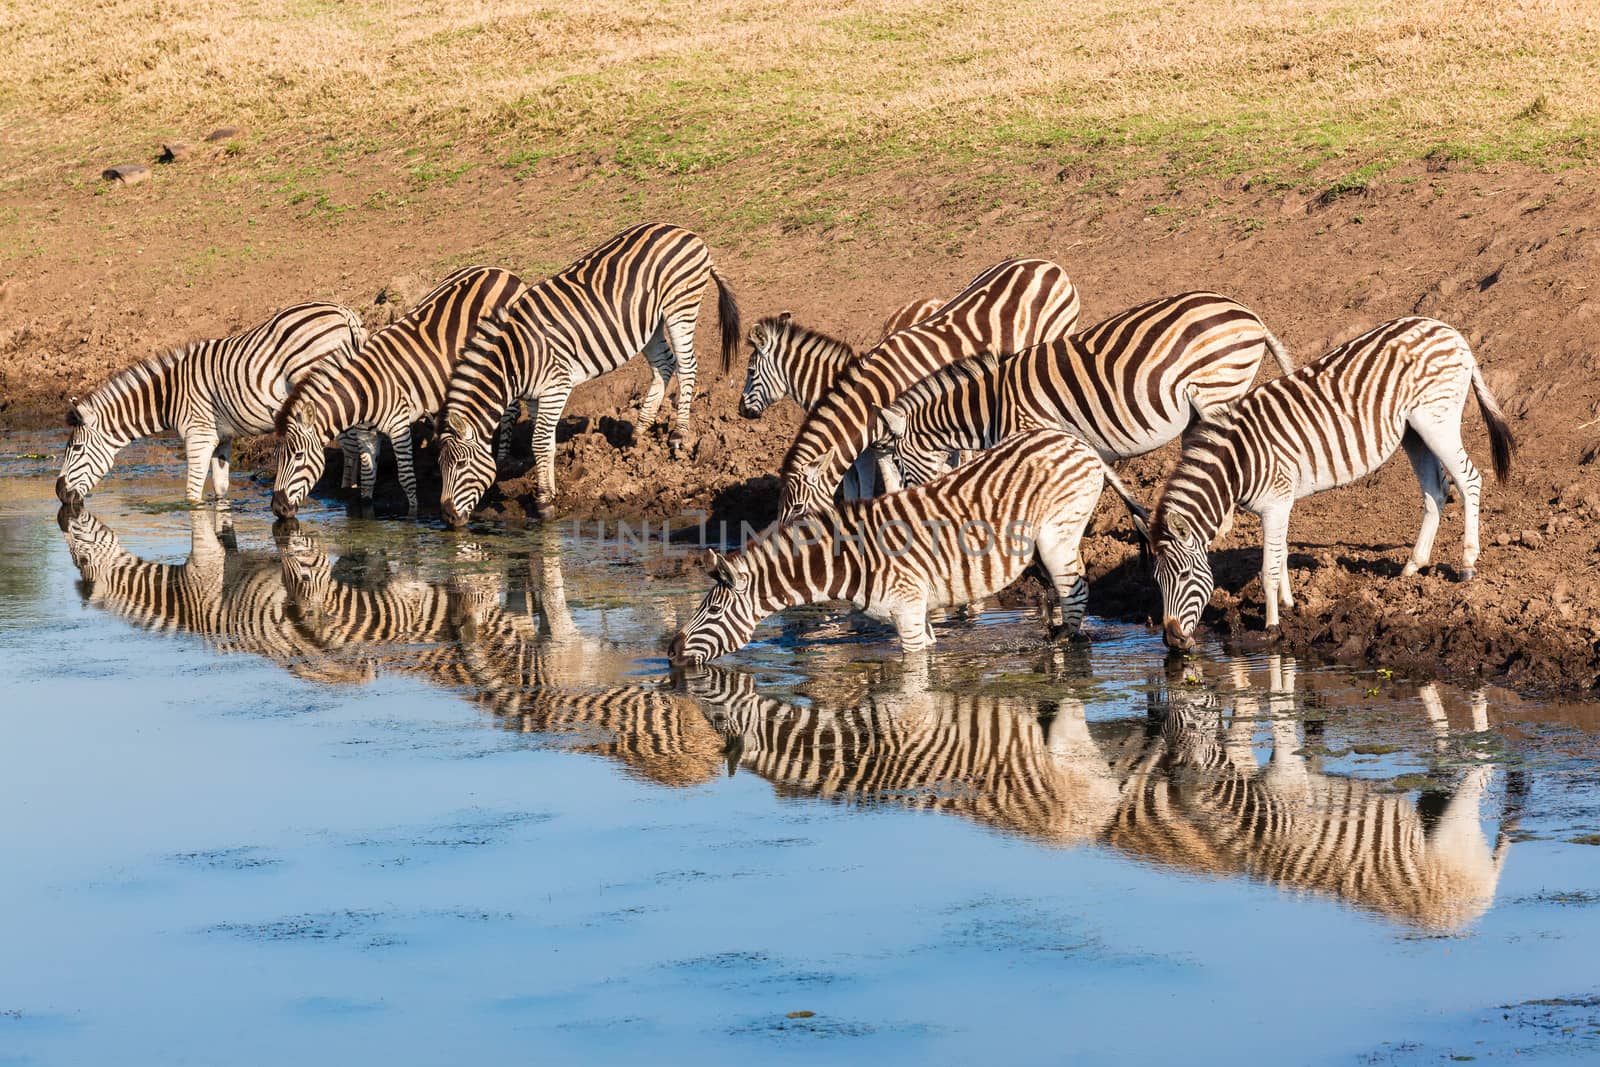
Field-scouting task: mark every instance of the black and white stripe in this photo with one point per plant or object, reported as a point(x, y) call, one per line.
point(795, 361)
point(1010, 306)
point(955, 540)
point(209, 392)
point(1126, 385)
point(640, 291)
point(1333, 421)
point(396, 379)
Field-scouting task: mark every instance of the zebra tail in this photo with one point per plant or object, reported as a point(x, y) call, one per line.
point(1279, 352)
point(727, 319)
point(1136, 511)
point(1500, 440)
point(358, 334)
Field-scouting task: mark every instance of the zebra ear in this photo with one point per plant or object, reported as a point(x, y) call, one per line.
point(814, 469)
point(459, 425)
point(722, 570)
point(785, 316)
point(1180, 526)
point(891, 424)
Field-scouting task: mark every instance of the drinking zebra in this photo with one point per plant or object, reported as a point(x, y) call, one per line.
point(795, 361)
point(209, 392)
point(1402, 384)
point(1127, 385)
point(638, 292)
point(395, 379)
point(957, 539)
point(1010, 306)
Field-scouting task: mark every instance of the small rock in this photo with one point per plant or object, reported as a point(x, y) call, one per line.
point(1532, 539)
point(1502, 539)
point(173, 151)
point(126, 173)
point(224, 133)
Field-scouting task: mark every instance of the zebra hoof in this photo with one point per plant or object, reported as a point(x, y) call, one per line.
point(1064, 634)
point(1409, 569)
point(675, 445)
point(1467, 574)
point(544, 510)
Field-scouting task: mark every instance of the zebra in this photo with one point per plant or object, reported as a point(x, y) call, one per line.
point(1127, 385)
point(1401, 384)
point(395, 379)
point(1011, 305)
point(1198, 800)
point(209, 392)
point(957, 539)
point(795, 361)
point(638, 291)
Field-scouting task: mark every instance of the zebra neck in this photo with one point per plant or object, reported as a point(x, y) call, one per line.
point(1205, 488)
point(140, 401)
point(835, 358)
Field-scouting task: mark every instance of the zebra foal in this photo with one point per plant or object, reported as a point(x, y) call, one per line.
point(639, 291)
point(1127, 385)
point(1009, 306)
point(1402, 384)
point(208, 391)
point(395, 379)
point(957, 539)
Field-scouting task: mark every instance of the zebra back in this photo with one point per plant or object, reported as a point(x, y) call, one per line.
point(589, 318)
point(400, 373)
point(1007, 307)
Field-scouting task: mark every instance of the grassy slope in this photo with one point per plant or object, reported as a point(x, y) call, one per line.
point(751, 104)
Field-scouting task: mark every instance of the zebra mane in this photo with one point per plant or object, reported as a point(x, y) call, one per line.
point(782, 327)
point(130, 377)
point(946, 380)
point(311, 385)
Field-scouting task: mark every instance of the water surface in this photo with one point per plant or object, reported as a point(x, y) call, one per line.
point(357, 789)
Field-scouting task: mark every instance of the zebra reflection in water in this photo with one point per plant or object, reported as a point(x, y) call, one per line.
point(1180, 787)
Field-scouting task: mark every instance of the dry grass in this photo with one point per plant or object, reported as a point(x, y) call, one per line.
point(782, 92)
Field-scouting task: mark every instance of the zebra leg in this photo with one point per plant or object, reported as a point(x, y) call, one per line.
point(1443, 438)
point(220, 463)
point(399, 435)
point(1275, 559)
point(548, 409)
point(350, 454)
point(1431, 477)
point(680, 335)
point(199, 446)
point(366, 481)
point(1058, 552)
point(658, 355)
point(502, 433)
point(911, 622)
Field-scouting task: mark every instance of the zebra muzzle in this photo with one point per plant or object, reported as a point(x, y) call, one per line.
point(70, 497)
point(281, 506)
point(1175, 637)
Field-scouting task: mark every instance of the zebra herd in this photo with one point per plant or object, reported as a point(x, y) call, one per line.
point(999, 369)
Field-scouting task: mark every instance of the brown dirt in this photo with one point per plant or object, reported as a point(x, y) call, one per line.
point(1509, 255)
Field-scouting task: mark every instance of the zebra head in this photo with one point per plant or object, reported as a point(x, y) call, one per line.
point(1183, 571)
point(90, 451)
point(300, 462)
point(466, 462)
point(764, 383)
point(906, 457)
point(724, 620)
